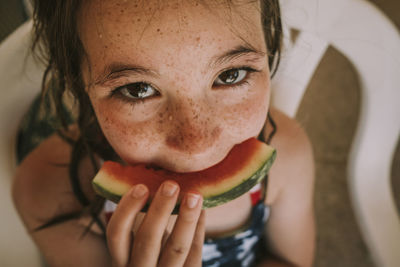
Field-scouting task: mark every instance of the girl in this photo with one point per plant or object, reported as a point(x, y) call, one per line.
point(171, 83)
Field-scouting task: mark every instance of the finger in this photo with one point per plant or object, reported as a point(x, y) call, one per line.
point(195, 254)
point(147, 244)
point(119, 229)
point(179, 243)
point(165, 238)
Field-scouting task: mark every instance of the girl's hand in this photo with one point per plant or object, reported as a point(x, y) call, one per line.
point(182, 248)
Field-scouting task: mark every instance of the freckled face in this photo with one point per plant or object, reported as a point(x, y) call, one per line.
point(174, 84)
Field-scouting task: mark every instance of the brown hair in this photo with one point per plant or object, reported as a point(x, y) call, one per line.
point(57, 43)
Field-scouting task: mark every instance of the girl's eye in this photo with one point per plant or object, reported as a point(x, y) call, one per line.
point(137, 90)
point(232, 76)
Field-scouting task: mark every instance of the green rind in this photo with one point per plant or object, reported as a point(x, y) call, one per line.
point(106, 193)
point(212, 201)
point(242, 188)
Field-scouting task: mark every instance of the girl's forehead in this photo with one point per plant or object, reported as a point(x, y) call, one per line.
point(150, 5)
point(173, 13)
point(151, 29)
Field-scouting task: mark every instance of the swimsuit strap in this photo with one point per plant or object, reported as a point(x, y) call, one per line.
point(271, 121)
point(261, 137)
point(274, 128)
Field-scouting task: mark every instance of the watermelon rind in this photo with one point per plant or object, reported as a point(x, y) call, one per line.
point(102, 191)
point(243, 187)
point(101, 183)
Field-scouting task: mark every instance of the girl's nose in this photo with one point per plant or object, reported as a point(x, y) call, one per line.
point(193, 127)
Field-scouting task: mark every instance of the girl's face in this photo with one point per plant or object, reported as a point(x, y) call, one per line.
point(175, 83)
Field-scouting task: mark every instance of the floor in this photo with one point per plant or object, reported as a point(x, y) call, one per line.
point(334, 87)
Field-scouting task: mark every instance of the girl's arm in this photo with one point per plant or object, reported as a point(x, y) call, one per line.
point(290, 229)
point(42, 191)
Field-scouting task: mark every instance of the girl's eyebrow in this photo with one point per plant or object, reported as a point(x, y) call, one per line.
point(238, 51)
point(116, 69)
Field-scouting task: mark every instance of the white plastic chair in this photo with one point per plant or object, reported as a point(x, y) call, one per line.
point(20, 78)
point(372, 44)
point(354, 27)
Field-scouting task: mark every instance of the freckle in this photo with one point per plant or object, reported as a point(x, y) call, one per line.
point(119, 35)
point(198, 39)
point(138, 19)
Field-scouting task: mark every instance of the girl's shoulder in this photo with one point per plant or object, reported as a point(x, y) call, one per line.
point(41, 185)
point(294, 164)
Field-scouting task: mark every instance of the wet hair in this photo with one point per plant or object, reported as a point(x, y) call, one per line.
point(56, 42)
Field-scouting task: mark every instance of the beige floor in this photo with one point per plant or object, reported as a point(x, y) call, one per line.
point(334, 87)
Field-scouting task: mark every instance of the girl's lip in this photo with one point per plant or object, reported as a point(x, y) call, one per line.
point(157, 167)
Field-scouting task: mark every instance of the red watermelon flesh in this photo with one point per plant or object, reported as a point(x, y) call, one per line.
point(244, 166)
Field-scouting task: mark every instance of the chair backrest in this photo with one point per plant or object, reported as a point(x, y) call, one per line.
point(372, 44)
point(20, 78)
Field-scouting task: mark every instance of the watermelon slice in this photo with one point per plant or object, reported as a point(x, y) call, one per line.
point(244, 166)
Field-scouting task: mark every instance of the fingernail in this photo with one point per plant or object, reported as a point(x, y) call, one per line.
point(169, 189)
point(192, 200)
point(139, 191)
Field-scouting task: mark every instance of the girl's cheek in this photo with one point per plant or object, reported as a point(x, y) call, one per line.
point(247, 117)
point(126, 131)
